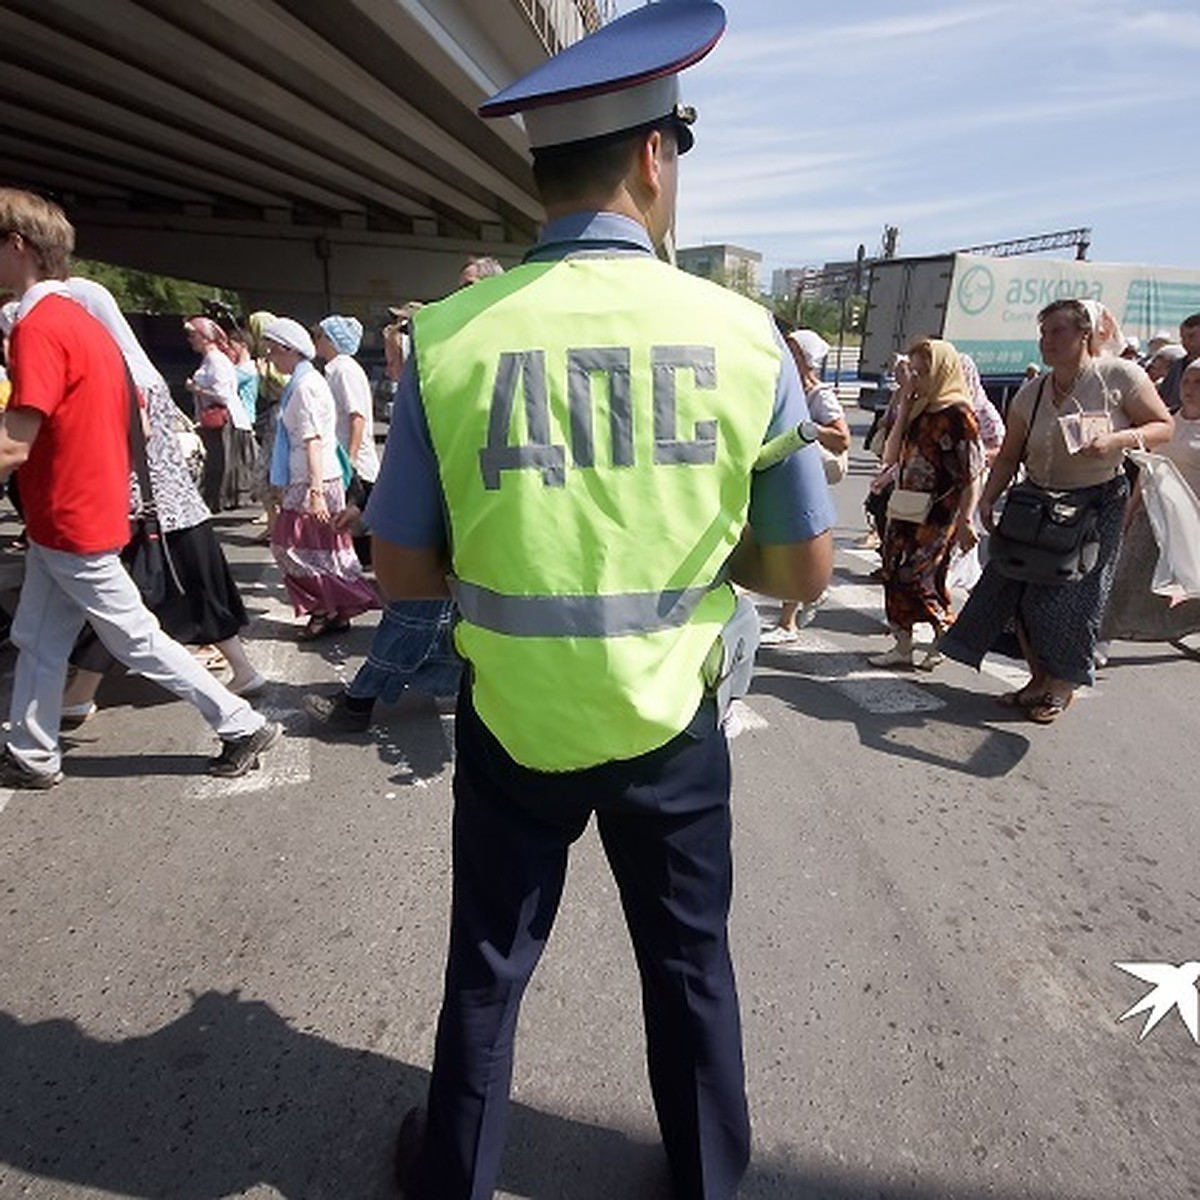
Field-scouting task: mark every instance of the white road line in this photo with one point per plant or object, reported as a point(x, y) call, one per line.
point(869, 600)
point(741, 718)
point(874, 689)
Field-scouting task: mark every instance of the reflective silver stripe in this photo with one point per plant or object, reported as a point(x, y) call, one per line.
point(576, 616)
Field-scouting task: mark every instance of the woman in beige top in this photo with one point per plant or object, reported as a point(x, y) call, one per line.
point(1070, 429)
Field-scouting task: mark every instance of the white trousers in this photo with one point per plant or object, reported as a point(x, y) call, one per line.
point(60, 592)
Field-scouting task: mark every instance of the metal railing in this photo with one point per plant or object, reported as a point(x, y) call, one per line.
point(559, 23)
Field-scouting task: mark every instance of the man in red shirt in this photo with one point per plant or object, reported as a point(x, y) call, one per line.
point(67, 428)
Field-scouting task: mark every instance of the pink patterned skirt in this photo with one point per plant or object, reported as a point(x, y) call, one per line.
point(320, 570)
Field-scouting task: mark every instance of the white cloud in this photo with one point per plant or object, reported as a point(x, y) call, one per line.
point(963, 124)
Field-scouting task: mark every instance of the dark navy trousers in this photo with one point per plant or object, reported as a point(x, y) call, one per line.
point(664, 822)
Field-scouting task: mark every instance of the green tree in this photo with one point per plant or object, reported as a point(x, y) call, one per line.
point(141, 291)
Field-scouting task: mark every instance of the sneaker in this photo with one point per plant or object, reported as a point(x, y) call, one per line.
point(932, 660)
point(336, 714)
point(807, 612)
point(16, 775)
point(895, 657)
point(240, 755)
point(779, 636)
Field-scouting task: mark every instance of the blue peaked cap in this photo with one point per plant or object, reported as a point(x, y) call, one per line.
point(623, 76)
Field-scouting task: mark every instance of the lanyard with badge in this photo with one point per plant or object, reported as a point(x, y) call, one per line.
point(1081, 427)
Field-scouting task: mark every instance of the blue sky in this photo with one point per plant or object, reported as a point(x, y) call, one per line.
point(960, 122)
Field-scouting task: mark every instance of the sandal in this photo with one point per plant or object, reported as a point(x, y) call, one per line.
point(321, 625)
point(209, 657)
point(1025, 697)
point(1049, 708)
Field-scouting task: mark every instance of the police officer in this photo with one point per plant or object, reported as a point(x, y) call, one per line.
point(571, 455)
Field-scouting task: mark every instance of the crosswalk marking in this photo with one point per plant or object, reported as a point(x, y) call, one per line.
point(813, 656)
point(875, 690)
point(741, 718)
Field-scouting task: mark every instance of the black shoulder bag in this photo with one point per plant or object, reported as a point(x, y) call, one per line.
point(1046, 536)
point(146, 557)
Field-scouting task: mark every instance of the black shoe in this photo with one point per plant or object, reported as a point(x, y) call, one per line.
point(337, 714)
point(409, 1142)
point(239, 755)
point(16, 775)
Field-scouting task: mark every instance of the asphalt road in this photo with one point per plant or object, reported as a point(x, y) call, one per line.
point(211, 989)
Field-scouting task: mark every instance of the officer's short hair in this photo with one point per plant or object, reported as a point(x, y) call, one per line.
point(576, 169)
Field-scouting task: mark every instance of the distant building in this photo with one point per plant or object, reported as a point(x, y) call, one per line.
point(786, 281)
point(836, 279)
point(732, 266)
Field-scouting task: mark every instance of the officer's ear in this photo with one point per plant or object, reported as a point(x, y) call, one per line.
point(651, 155)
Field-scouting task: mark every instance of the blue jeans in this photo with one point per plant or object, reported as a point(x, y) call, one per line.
point(411, 648)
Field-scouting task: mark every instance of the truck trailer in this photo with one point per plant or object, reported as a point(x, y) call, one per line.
point(987, 306)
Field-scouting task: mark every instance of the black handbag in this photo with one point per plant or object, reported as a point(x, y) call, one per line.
point(145, 556)
point(145, 559)
point(1046, 536)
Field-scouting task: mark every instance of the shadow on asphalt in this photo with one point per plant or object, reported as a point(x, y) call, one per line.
point(231, 1096)
point(961, 736)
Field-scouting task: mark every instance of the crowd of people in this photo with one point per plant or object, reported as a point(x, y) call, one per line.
point(284, 416)
point(278, 415)
point(1079, 432)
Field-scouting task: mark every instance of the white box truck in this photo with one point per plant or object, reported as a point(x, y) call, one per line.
point(988, 306)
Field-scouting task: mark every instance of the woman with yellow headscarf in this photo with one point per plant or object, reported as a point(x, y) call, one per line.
point(937, 459)
point(271, 383)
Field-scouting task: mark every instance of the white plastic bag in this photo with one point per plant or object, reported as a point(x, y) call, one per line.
point(1174, 513)
point(964, 570)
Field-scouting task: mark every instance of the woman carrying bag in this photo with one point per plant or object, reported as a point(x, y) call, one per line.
point(936, 460)
point(1070, 430)
point(1137, 610)
point(214, 389)
point(202, 605)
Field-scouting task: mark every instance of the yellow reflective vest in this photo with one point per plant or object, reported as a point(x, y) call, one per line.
point(595, 422)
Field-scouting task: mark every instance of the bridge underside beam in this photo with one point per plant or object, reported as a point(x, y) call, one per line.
point(217, 139)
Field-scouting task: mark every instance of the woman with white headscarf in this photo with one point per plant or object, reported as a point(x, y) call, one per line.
point(205, 608)
point(320, 570)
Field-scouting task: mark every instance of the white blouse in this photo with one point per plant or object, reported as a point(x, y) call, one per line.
point(310, 413)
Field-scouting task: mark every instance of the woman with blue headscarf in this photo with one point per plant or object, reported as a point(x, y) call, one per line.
point(337, 339)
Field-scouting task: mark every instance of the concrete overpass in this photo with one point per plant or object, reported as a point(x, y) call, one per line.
point(312, 154)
